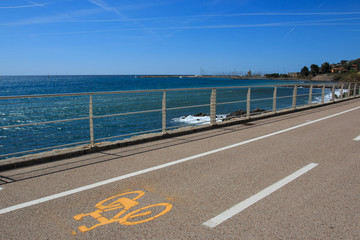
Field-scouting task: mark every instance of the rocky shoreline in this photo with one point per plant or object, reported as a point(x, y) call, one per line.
point(241, 113)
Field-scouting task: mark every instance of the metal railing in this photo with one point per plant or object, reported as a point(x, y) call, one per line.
point(38, 123)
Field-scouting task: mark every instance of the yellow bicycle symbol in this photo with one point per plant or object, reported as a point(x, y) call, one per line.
point(124, 203)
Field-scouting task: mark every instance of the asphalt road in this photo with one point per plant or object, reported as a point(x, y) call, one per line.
point(294, 176)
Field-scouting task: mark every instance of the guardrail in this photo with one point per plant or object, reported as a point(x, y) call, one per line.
point(38, 123)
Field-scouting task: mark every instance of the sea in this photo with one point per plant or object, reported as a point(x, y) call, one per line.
point(14, 113)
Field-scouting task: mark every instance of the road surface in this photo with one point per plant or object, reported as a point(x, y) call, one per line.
point(293, 176)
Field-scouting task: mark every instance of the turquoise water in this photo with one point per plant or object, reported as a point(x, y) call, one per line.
point(32, 110)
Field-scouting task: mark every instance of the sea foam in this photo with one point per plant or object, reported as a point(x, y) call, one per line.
point(191, 120)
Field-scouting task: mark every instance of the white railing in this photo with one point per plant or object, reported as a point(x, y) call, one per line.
point(34, 117)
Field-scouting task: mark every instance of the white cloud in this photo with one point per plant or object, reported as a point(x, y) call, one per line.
point(329, 22)
point(289, 32)
point(33, 4)
point(105, 6)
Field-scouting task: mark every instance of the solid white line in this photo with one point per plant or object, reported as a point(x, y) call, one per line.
point(357, 138)
point(87, 187)
point(257, 197)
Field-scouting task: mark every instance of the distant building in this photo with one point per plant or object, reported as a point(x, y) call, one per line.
point(294, 74)
point(339, 70)
point(354, 66)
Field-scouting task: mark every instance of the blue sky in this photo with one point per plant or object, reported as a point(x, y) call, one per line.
point(174, 36)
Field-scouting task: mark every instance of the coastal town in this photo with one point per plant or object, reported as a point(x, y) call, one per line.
point(344, 71)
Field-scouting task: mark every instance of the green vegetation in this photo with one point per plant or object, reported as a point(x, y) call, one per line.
point(305, 71)
point(276, 75)
point(325, 67)
point(345, 71)
point(347, 77)
point(314, 70)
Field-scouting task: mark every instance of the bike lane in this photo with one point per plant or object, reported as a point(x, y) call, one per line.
point(196, 191)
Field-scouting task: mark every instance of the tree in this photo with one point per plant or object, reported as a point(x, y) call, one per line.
point(325, 67)
point(314, 70)
point(305, 71)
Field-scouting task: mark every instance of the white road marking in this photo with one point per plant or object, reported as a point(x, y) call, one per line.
point(357, 138)
point(1, 188)
point(147, 170)
point(257, 197)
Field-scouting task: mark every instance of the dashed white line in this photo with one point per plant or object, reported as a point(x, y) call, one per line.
point(357, 138)
point(257, 197)
point(147, 170)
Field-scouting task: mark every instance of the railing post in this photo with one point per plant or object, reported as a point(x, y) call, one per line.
point(294, 97)
point(213, 107)
point(354, 89)
point(91, 122)
point(341, 91)
point(248, 103)
point(164, 113)
point(323, 94)
point(333, 93)
point(274, 99)
point(310, 94)
point(349, 89)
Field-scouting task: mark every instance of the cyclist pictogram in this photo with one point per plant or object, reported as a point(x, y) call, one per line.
point(123, 202)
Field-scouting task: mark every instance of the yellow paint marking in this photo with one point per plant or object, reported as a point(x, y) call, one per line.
point(167, 206)
point(123, 203)
point(172, 199)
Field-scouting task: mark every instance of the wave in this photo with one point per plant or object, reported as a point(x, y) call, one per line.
point(191, 120)
point(328, 96)
point(202, 120)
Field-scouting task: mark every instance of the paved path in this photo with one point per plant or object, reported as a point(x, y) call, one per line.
point(294, 176)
